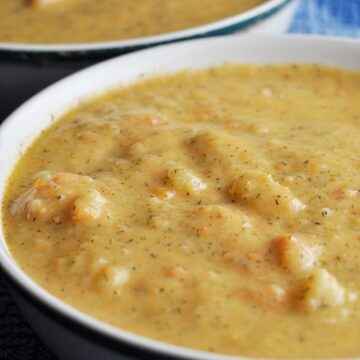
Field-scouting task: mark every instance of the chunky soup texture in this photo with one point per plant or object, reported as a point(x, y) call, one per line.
point(74, 21)
point(214, 209)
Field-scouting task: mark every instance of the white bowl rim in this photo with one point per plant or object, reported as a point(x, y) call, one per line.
point(35, 291)
point(212, 27)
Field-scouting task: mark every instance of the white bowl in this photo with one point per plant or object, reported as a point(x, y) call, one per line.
point(70, 333)
point(105, 49)
point(25, 69)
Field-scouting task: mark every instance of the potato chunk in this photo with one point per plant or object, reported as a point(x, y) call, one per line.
point(294, 255)
point(111, 278)
point(219, 153)
point(321, 290)
point(260, 191)
point(60, 196)
point(88, 206)
point(184, 181)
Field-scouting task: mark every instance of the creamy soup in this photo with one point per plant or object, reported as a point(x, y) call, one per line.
point(214, 209)
point(75, 21)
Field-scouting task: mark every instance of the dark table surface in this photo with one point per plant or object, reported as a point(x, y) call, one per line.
point(17, 340)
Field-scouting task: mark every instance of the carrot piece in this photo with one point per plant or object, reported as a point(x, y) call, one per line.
point(39, 3)
point(149, 120)
point(202, 231)
point(279, 247)
point(162, 192)
point(178, 272)
point(340, 89)
point(270, 297)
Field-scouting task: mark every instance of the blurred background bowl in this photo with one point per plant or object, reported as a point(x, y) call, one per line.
point(26, 69)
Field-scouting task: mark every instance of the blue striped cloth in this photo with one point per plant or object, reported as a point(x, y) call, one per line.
point(327, 17)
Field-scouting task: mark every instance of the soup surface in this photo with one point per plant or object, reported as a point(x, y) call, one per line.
point(75, 21)
point(214, 209)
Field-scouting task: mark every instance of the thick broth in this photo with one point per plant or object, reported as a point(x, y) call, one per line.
point(77, 21)
point(216, 209)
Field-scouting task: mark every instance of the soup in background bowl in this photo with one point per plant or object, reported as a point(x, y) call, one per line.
point(182, 205)
point(82, 21)
point(27, 66)
point(90, 32)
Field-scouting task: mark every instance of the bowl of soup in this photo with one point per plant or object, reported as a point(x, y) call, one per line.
point(64, 29)
point(193, 201)
point(42, 41)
